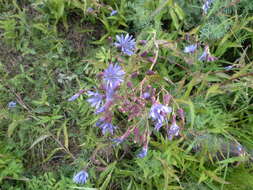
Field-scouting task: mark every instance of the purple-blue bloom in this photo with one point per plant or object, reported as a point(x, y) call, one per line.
point(113, 76)
point(228, 68)
point(206, 55)
point(126, 44)
point(95, 99)
point(117, 141)
point(207, 5)
point(173, 131)
point(143, 153)
point(74, 97)
point(89, 10)
point(190, 48)
point(105, 126)
point(109, 94)
point(12, 104)
point(158, 113)
point(114, 12)
point(146, 95)
point(203, 57)
point(81, 177)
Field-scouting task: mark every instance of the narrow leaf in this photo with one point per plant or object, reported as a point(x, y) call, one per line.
point(41, 138)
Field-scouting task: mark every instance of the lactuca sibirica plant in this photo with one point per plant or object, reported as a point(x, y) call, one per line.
point(123, 92)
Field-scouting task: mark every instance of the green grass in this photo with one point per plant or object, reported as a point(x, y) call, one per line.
point(50, 49)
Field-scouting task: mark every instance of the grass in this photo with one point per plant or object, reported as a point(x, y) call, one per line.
point(51, 49)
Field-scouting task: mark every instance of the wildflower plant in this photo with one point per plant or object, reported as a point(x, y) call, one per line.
point(144, 111)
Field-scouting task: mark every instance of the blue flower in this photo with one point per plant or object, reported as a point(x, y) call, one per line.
point(207, 5)
point(74, 97)
point(126, 44)
point(203, 57)
point(158, 113)
point(146, 95)
point(89, 10)
point(206, 55)
point(81, 177)
point(173, 131)
point(109, 93)
point(114, 12)
point(143, 153)
point(190, 48)
point(228, 68)
point(95, 99)
point(105, 126)
point(113, 76)
point(12, 104)
point(117, 141)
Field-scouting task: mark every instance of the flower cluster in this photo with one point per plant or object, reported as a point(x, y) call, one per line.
point(205, 56)
point(158, 113)
point(139, 105)
point(113, 76)
point(133, 102)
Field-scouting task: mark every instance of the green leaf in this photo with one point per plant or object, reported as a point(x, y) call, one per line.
point(51, 154)
point(41, 138)
point(179, 11)
point(191, 107)
point(109, 169)
point(232, 160)
point(174, 18)
point(12, 127)
point(215, 177)
point(214, 89)
point(106, 182)
point(65, 132)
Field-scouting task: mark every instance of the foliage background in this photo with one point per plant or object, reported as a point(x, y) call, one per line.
point(50, 49)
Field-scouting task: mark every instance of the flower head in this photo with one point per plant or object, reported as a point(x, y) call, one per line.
point(203, 56)
point(81, 177)
point(95, 99)
point(126, 44)
point(158, 113)
point(146, 95)
point(174, 129)
point(228, 68)
point(113, 76)
point(90, 10)
point(206, 5)
point(114, 12)
point(12, 104)
point(105, 126)
point(143, 152)
point(190, 48)
point(206, 55)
